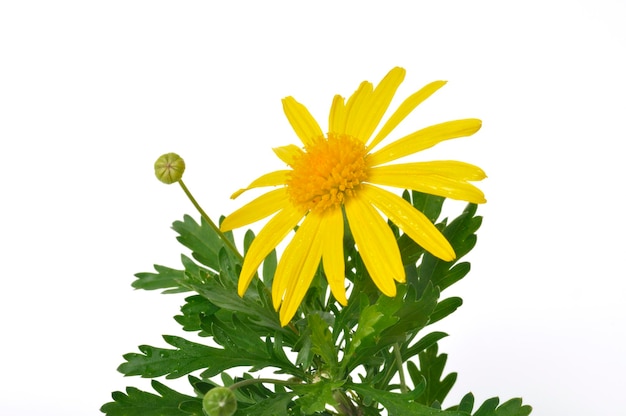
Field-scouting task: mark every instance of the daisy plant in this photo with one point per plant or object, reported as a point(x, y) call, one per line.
point(338, 321)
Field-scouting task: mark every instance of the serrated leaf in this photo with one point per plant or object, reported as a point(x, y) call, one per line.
point(431, 369)
point(273, 406)
point(238, 337)
point(201, 239)
point(187, 357)
point(461, 235)
point(445, 308)
point(422, 344)
point(140, 403)
point(195, 310)
point(164, 278)
point(269, 268)
point(401, 404)
point(511, 407)
point(453, 275)
point(373, 320)
point(313, 397)
point(321, 340)
point(467, 403)
point(413, 314)
point(429, 205)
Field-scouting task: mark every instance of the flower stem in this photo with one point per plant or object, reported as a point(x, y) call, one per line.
point(249, 381)
point(204, 215)
point(396, 352)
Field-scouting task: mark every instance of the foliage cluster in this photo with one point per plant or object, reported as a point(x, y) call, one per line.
point(373, 356)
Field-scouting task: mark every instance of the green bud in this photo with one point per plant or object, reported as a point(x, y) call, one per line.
point(169, 168)
point(219, 401)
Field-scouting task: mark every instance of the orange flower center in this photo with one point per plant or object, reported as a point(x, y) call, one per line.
point(328, 172)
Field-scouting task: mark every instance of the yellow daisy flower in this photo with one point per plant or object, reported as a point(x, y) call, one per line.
point(334, 174)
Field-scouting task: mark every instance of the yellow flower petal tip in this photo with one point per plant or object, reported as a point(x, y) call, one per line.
point(342, 171)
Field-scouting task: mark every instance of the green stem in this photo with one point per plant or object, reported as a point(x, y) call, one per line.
point(396, 352)
point(249, 381)
point(204, 215)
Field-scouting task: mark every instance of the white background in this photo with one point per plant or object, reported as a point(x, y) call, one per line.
point(91, 92)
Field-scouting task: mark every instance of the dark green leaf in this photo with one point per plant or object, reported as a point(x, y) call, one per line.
point(401, 404)
point(467, 403)
point(164, 278)
point(512, 407)
point(269, 268)
point(140, 403)
point(461, 235)
point(187, 357)
point(201, 239)
point(453, 275)
point(314, 396)
point(321, 341)
point(431, 369)
point(422, 344)
point(429, 205)
point(273, 406)
point(445, 308)
point(195, 310)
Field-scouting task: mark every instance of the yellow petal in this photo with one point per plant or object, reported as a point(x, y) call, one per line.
point(404, 110)
point(379, 103)
point(331, 235)
point(261, 207)
point(337, 116)
point(423, 139)
point(376, 244)
point(275, 178)
point(448, 168)
point(430, 184)
point(301, 121)
point(410, 220)
point(269, 237)
point(357, 103)
point(288, 154)
point(297, 267)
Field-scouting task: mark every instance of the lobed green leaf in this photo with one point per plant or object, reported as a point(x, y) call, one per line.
point(140, 403)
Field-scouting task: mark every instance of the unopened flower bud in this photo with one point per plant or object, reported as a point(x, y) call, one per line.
point(219, 401)
point(169, 168)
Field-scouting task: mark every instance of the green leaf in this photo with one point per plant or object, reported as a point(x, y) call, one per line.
point(272, 406)
point(467, 403)
point(461, 235)
point(220, 290)
point(201, 239)
point(314, 396)
point(321, 341)
point(431, 369)
point(453, 275)
point(429, 205)
point(195, 311)
point(413, 314)
point(445, 308)
point(269, 268)
point(400, 404)
point(373, 320)
point(190, 356)
point(187, 357)
point(140, 403)
point(512, 407)
point(164, 278)
point(422, 344)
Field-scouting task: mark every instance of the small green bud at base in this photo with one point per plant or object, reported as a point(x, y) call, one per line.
point(169, 168)
point(219, 401)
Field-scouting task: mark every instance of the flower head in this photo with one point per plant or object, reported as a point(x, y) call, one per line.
point(169, 168)
point(334, 175)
